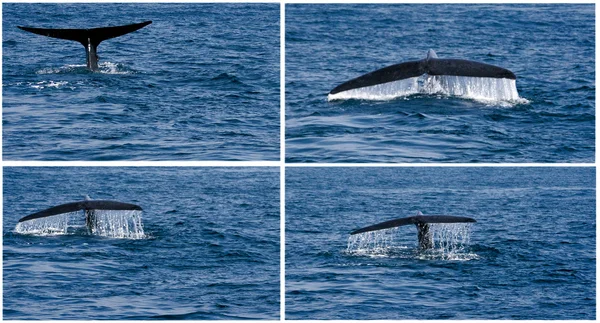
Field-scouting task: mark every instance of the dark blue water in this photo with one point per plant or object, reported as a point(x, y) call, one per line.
point(200, 83)
point(532, 249)
point(551, 49)
point(212, 250)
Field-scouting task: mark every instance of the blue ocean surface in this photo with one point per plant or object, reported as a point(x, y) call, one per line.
point(550, 48)
point(210, 251)
point(200, 83)
point(531, 254)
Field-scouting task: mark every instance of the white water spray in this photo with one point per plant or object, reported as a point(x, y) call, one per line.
point(373, 241)
point(55, 225)
point(450, 239)
point(119, 224)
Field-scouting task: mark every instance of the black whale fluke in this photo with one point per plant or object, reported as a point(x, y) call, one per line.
point(82, 205)
point(89, 38)
point(430, 65)
point(416, 220)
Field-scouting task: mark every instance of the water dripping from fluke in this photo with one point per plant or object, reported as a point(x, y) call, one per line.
point(490, 91)
point(439, 237)
point(89, 217)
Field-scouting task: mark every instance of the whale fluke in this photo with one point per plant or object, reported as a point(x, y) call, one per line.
point(418, 219)
point(431, 65)
point(421, 222)
point(86, 205)
point(89, 38)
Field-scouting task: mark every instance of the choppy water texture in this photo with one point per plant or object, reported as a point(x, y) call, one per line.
point(531, 254)
point(200, 83)
point(210, 248)
point(549, 47)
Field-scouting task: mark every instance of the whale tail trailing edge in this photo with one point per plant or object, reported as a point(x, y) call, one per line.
point(418, 220)
point(89, 38)
point(85, 205)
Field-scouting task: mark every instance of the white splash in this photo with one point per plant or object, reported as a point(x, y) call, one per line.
point(450, 241)
point(119, 224)
point(44, 84)
point(484, 89)
point(109, 223)
point(70, 68)
point(372, 241)
point(113, 68)
point(103, 68)
point(55, 225)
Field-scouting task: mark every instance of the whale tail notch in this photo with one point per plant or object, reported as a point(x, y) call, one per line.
point(89, 38)
point(85, 205)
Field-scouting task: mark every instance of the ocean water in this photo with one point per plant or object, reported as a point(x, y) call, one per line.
point(210, 248)
point(531, 254)
point(200, 83)
point(550, 48)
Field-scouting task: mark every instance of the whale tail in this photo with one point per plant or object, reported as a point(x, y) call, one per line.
point(430, 65)
point(421, 222)
point(85, 205)
point(89, 38)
